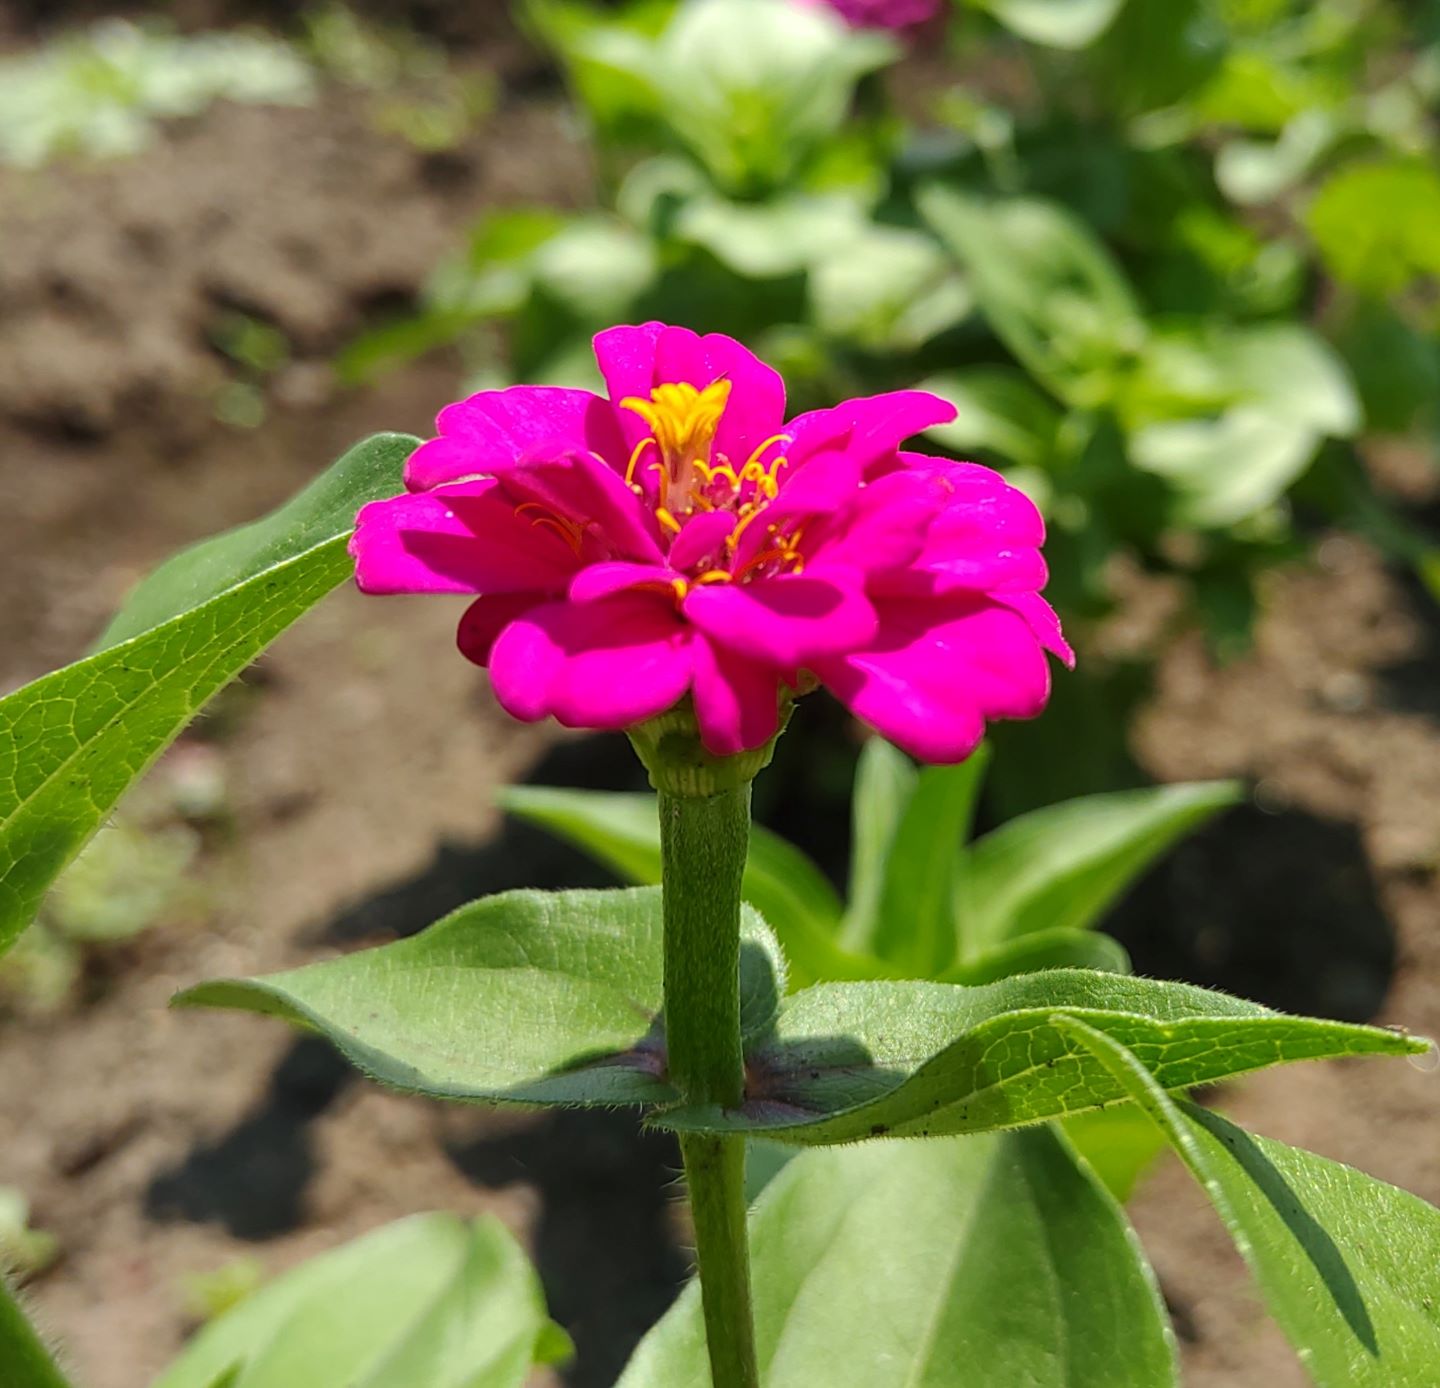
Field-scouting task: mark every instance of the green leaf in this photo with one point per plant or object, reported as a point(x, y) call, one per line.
point(1378, 225)
point(621, 831)
point(1048, 288)
point(915, 930)
point(1120, 1145)
point(25, 1362)
point(1349, 1266)
point(432, 1300)
point(884, 782)
point(887, 289)
point(527, 997)
point(780, 237)
point(1062, 866)
point(1289, 391)
point(596, 266)
point(1055, 23)
point(553, 998)
point(916, 1059)
point(754, 87)
point(978, 1262)
point(72, 742)
point(1043, 949)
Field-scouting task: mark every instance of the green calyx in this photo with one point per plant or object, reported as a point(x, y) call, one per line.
point(669, 745)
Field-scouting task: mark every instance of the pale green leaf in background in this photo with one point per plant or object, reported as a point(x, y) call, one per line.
point(72, 742)
point(432, 1300)
point(915, 927)
point(1060, 867)
point(1055, 23)
point(884, 782)
point(977, 1262)
point(783, 236)
point(1378, 224)
point(1046, 285)
point(998, 410)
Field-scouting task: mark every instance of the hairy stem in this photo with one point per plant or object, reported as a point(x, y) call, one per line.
point(24, 1360)
point(704, 839)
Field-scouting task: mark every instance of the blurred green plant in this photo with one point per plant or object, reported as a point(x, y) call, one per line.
point(432, 1300)
point(127, 879)
point(99, 93)
point(24, 1251)
point(206, 1296)
point(1185, 258)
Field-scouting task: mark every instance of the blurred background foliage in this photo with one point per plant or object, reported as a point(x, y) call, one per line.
point(1174, 261)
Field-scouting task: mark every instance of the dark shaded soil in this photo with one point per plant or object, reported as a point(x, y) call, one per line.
point(158, 1144)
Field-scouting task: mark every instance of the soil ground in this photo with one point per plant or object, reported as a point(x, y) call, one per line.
point(157, 1145)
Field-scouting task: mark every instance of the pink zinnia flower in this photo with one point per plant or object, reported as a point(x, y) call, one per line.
point(681, 538)
point(882, 14)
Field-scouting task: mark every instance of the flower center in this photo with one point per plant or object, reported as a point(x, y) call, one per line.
point(690, 477)
point(682, 421)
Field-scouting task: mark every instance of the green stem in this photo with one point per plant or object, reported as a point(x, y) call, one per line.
point(24, 1360)
point(704, 840)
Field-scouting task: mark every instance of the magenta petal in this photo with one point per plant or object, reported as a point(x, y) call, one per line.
point(737, 701)
point(497, 428)
point(826, 482)
point(626, 358)
point(938, 670)
point(601, 580)
point(486, 617)
point(786, 621)
point(581, 488)
point(883, 527)
point(703, 537)
point(870, 427)
point(1043, 622)
point(606, 664)
point(461, 539)
point(755, 410)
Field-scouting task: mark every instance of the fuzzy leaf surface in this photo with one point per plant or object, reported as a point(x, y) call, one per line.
point(72, 742)
point(1348, 1266)
point(1021, 1270)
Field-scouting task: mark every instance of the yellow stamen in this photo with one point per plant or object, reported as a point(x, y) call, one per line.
point(635, 458)
point(568, 530)
point(709, 473)
point(715, 576)
point(682, 420)
point(666, 519)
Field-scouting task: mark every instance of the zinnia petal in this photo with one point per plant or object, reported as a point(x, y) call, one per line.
point(607, 664)
point(498, 428)
point(737, 701)
point(786, 621)
point(870, 427)
point(755, 410)
point(461, 539)
point(486, 617)
point(580, 489)
point(938, 669)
